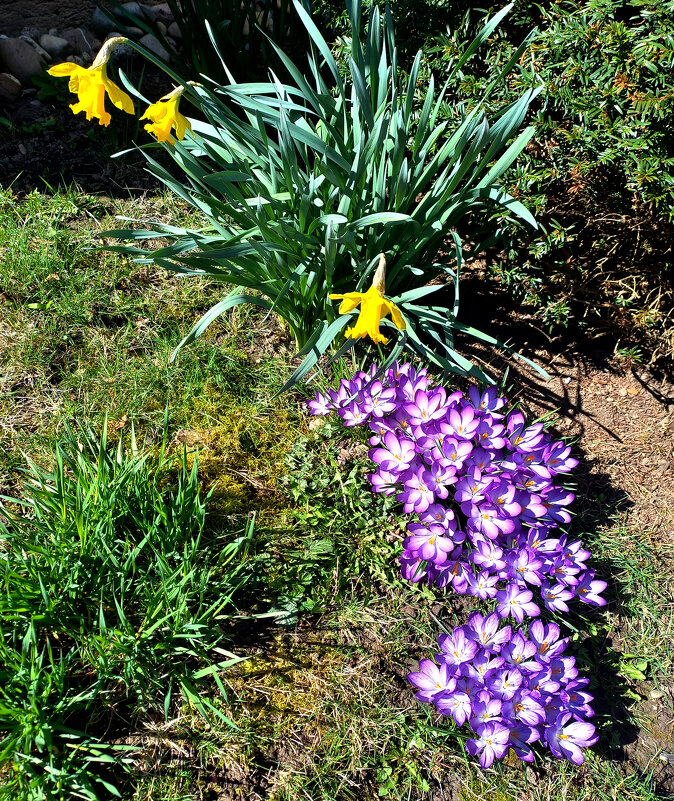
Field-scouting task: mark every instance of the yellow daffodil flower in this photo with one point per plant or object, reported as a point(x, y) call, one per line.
point(164, 115)
point(91, 85)
point(373, 307)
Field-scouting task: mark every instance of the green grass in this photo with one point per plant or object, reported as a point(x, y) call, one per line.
point(321, 708)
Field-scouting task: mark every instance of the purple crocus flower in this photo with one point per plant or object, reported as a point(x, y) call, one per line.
point(557, 458)
point(427, 406)
point(566, 739)
point(352, 414)
point(483, 585)
point(455, 452)
point(492, 743)
point(573, 552)
point(504, 683)
point(397, 454)
point(480, 460)
point(576, 700)
point(487, 401)
point(418, 493)
point(520, 652)
point(456, 649)
point(463, 422)
point(588, 589)
point(521, 437)
point(525, 566)
point(455, 704)
point(441, 479)
point(541, 683)
point(412, 568)
point(384, 482)
point(320, 405)
point(546, 639)
point(488, 555)
point(431, 679)
point(486, 632)
point(485, 710)
point(516, 602)
point(489, 433)
point(521, 737)
point(429, 543)
point(379, 401)
point(556, 596)
point(524, 708)
point(482, 668)
point(437, 513)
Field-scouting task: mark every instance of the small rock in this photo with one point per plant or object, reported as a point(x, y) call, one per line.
point(155, 46)
point(36, 47)
point(135, 32)
point(77, 60)
point(121, 53)
point(161, 28)
point(30, 32)
point(174, 31)
point(10, 88)
point(56, 46)
point(655, 694)
point(20, 59)
point(53, 32)
point(163, 13)
point(80, 40)
point(171, 42)
point(136, 10)
point(102, 23)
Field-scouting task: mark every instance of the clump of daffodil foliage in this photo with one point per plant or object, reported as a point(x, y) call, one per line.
point(309, 188)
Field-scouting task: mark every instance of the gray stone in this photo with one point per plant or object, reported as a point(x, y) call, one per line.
point(174, 31)
point(162, 12)
point(101, 23)
point(155, 46)
point(135, 32)
point(20, 60)
point(81, 40)
point(56, 46)
point(53, 32)
point(161, 28)
point(30, 32)
point(138, 11)
point(171, 42)
point(10, 88)
point(122, 53)
point(36, 47)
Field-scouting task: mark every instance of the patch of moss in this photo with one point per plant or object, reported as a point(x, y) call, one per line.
point(241, 450)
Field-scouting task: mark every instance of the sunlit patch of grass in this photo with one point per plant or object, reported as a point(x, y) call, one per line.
point(84, 331)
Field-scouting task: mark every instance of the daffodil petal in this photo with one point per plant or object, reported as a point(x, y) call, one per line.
point(119, 98)
point(396, 316)
point(67, 68)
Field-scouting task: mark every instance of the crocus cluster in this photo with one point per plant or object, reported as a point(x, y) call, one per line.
point(513, 690)
point(482, 484)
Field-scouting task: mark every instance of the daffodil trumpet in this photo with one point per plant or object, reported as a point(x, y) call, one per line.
point(164, 116)
point(373, 308)
point(91, 84)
